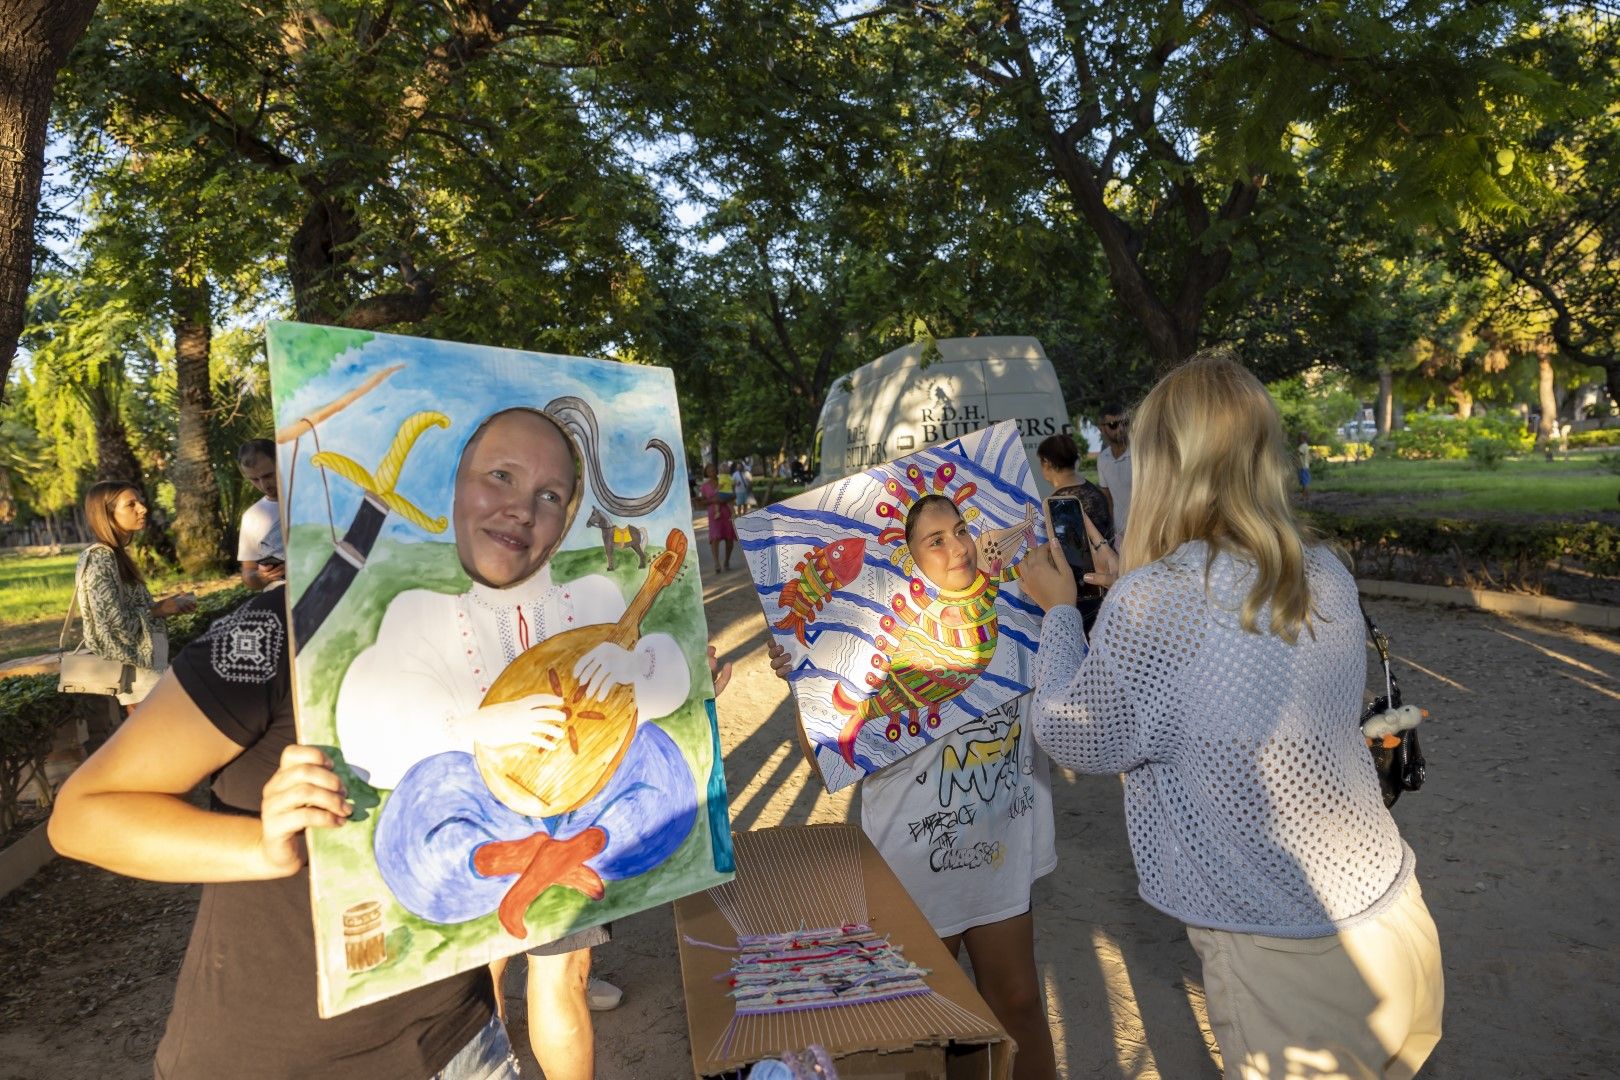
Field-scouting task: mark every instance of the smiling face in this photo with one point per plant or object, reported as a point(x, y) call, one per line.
point(942, 547)
point(128, 512)
point(513, 489)
point(261, 473)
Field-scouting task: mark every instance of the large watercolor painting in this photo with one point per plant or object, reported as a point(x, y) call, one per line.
point(895, 643)
point(498, 631)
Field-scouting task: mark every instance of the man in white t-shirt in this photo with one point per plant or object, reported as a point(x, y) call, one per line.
point(259, 549)
point(1114, 465)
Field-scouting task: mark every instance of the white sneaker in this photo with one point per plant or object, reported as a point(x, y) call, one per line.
point(602, 996)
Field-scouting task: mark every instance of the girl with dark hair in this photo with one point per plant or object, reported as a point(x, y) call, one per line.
point(121, 621)
point(975, 889)
point(1059, 458)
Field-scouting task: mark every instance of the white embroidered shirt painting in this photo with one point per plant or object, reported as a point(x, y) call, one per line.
point(436, 655)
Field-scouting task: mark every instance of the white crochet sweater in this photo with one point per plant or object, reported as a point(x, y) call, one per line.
point(1250, 796)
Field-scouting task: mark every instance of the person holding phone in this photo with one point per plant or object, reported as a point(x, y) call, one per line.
point(1059, 458)
point(259, 548)
point(1224, 679)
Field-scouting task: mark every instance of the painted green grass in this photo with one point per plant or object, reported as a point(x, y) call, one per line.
point(345, 872)
point(1523, 486)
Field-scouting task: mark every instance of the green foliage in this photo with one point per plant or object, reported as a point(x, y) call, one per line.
point(30, 712)
point(1598, 437)
point(1561, 265)
point(1486, 452)
point(1315, 407)
point(1439, 435)
point(1522, 486)
point(184, 629)
point(1495, 554)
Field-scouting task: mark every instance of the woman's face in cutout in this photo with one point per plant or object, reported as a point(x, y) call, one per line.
point(512, 493)
point(942, 547)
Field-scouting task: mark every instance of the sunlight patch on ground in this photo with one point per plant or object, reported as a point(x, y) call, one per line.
point(1436, 676)
point(1570, 660)
point(1131, 1049)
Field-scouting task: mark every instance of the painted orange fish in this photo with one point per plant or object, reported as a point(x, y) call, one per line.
point(822, 571)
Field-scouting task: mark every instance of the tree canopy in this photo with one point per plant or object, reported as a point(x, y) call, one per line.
point(765, 196)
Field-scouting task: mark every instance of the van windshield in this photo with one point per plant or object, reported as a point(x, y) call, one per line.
point(815, 454)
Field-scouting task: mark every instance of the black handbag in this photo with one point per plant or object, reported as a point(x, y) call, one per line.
point(1397, 757)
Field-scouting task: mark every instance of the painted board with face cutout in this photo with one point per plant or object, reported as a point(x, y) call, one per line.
point(498, 632)
point(895, 640)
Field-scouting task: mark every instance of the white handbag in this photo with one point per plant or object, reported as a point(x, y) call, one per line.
point(84, 672)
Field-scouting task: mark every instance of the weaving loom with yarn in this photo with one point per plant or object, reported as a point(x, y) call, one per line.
point(875, 986)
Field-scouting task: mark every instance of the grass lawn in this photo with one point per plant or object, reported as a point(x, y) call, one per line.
point(1525, 486)
point(35, 591)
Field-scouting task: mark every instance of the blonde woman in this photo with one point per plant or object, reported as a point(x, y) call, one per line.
point(1223, 678)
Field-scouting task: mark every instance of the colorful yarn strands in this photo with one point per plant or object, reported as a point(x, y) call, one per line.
point(819, 969)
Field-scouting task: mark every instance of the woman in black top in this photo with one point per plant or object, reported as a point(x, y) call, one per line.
point(245, 1003)
point(1059, 458)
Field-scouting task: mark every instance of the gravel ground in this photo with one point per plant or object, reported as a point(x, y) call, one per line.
point(1514, 835)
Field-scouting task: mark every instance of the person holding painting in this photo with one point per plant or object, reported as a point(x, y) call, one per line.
point(974, 890)
point(245, 1000)
point(247, 988)
point(1224, 679)
point(518, 487)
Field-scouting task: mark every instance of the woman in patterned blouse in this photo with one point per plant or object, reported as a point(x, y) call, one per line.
point(121, 621)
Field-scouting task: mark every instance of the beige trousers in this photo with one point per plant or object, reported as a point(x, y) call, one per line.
point(1363, 1004)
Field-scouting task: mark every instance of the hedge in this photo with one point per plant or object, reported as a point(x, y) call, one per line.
point(1436, 435)
point(30, 712)
point(1492, 554)
point(1596, 437)
point(31, 709)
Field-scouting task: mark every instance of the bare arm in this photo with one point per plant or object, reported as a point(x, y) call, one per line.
point(257, 575)
point(779, 664)
point(126, 809)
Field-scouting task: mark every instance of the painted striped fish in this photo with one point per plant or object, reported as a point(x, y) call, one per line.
point(822, 571)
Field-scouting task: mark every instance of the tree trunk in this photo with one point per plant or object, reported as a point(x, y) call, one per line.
point(1386, 400)
point(115, 460)
point(1547, 428)
point(1463, 400)
point(199, 534)
point(35, 38)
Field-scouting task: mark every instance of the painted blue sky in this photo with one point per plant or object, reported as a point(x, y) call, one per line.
point(467, 383)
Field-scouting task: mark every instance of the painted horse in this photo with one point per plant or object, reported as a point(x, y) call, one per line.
point(614, 536)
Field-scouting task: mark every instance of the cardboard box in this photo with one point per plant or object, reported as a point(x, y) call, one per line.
point(817, 876)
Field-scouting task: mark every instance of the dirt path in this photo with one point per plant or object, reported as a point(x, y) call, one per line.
point(1514, 835)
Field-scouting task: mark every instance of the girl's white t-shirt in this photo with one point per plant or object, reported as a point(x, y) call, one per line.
point(966, 823)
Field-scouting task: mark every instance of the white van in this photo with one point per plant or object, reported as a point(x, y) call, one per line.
point(894, 406)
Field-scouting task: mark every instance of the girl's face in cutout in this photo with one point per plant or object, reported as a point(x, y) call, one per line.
point(942, 547)
point(512, 494)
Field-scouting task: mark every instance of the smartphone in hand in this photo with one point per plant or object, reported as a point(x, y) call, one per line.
point(1066, 521)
